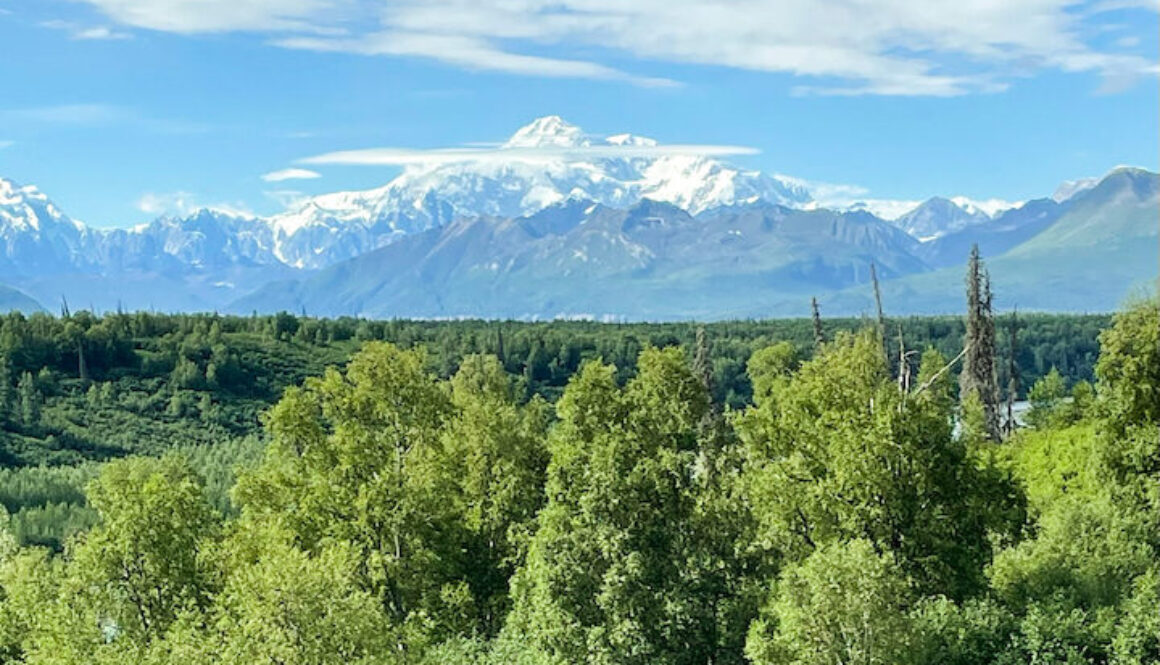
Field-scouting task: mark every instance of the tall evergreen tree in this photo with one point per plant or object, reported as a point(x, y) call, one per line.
point(878, 306)
point(499, 353)
point(1012, 373)
point(978, 375)
point(819, 333)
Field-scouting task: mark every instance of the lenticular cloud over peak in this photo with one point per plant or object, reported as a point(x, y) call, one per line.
point(546, 139)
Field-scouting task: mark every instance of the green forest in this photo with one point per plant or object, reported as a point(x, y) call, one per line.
point(290, 490)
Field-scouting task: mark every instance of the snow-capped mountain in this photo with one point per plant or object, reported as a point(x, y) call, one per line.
point(651, 259)
point(205, 238)
point(36, 235)
point(210, 259)
point(938, 216)
point(542, 164)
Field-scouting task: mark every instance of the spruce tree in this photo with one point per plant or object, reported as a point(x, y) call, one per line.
point(82, 366)
point(878, 306)
point(978, 374)
point(499, 354)
point(1012, 373)
point(819, 334)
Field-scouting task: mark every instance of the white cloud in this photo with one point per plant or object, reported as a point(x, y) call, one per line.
point(183, 203)
point(882, 47)
point(855, 197)
point(77, 31)
point(290, 174)
point(837, 196)
point(407, 156)
point(469, 53)
point(988, 206)
point(287, 198)
point(166, 203)
point(100, 32)
point(193, 16)
point(888, 209)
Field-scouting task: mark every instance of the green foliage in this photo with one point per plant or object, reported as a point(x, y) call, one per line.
point(280, 604)
point(126, 581)
point(1129, 368)
point(484, 493)
point(1054, 464)
point(494, 452)
point(839, 453)
point(845, 604)
point(769, 368)
point(354, 457)
point(1048, 405)
point(608, 578)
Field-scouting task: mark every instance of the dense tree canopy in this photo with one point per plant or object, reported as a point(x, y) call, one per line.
point(504, 493)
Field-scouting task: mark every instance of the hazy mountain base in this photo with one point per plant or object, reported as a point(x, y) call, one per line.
point(654, 261)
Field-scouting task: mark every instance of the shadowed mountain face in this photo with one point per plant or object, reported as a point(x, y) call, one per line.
point(1007, 230)
point(653, 260)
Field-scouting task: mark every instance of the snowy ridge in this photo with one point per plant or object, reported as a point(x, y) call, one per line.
point(333, 227)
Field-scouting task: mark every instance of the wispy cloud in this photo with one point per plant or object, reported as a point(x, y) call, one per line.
point(156, 203)
point(471, 53)
point(68, 114)
point(872, 47)
point(855, 197)
point(5, 143)
point(78, 31)
point(837, 196)
point(290, 174)
point(184, 203)
point(193, 16)
point(88, 114)
point(286, 198)
point(408, 156)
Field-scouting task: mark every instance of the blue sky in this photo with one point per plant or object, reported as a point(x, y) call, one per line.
point(123, 109)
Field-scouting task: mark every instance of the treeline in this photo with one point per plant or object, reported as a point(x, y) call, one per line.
point(401, 515)
point(258, 356)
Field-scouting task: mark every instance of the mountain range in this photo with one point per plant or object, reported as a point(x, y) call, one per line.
point(578, 226)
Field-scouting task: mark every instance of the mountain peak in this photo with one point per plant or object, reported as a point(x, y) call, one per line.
point(1070, 189)
point(938, 216)
point(10, 191)
point(548, 131)
point(630, 140)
